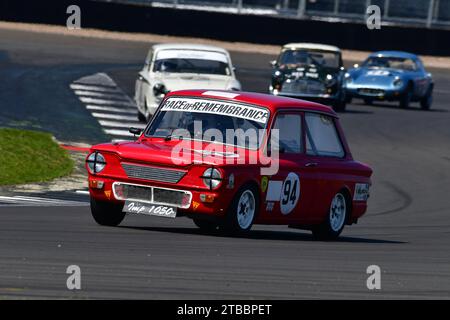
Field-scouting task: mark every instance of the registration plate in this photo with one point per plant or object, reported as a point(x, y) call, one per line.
point(136, 207)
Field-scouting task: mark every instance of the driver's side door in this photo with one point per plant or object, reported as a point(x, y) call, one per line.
point(291, 191)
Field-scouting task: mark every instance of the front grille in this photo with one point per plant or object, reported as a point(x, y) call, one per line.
point(154, 195)
point(371, 92)
point(153, 173)
point(303, 86)
point(168, 196)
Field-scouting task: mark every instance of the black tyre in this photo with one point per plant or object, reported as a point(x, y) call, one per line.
point(405, 99)
point(106, 214)
point(368, 101)
point(427, 100)
point(243, 210)
point(206, 225)
point(341, 103)
point(332, 227)
point(348, 99)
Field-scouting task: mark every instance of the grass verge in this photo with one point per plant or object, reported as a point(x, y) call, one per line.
point(30, 156)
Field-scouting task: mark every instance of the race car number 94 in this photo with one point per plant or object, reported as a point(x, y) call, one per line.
point(136, 207)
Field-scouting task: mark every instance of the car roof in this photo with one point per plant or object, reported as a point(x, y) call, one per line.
point(187, 46)
point(314, 46)
point(271, 102)
point(394, 54)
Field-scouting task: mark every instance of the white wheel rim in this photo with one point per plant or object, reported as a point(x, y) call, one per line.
point(246, 209)
point(338, 211)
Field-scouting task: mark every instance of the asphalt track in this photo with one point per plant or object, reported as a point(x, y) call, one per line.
point(406, 231)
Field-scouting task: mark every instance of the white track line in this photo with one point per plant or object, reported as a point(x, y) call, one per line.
point(115, 96)
point(37, 201)
point(117, 132)
point(90, 87)
point(113, 116)
point(88, 100)
point(113, 109)
point(115, 124)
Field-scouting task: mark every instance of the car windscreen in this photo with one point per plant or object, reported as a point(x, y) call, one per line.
point(191, 66)
point(307, 57)
point(192, 61)
point(390, 62)
point(210, 121)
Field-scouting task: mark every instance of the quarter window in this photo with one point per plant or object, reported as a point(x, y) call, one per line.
point(322, 137)
point(290, 132)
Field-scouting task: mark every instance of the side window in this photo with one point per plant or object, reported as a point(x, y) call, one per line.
point(322, 137)
point(290, 132)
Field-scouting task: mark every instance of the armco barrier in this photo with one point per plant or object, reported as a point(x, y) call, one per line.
point(229, 27)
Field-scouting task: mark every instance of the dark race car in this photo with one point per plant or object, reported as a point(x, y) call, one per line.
point(310, 71)
point(391, 76)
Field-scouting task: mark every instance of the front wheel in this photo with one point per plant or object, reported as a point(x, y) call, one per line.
point(106, 214)
point(427, 100)
point(243, 210)
point(405, 99)
point(332, 227)
point(341, 103)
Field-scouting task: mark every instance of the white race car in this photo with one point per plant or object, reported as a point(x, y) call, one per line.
point(171, 67)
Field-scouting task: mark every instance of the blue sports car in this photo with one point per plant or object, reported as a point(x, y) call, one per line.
point(391, 76)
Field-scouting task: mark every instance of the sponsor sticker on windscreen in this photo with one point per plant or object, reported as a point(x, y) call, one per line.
point(251, 113)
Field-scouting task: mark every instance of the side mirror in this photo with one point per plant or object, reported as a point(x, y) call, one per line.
point(135, 131)
point(356, 65)
point(273, 63)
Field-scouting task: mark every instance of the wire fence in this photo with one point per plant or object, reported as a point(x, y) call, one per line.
point(429, 13)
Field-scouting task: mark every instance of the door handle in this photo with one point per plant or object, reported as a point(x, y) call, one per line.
point(311, 164)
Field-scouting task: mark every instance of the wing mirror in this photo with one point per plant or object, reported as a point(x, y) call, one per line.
point(356, 66)
point(135, 131)
point(273, 63)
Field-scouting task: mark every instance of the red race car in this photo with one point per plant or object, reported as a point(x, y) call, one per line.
point(229, 160)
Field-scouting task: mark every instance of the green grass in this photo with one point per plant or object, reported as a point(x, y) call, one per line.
point(30, 156)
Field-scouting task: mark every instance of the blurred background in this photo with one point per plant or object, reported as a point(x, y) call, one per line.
point(430, 13)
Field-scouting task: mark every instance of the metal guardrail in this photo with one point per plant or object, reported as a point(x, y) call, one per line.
point(429, 13)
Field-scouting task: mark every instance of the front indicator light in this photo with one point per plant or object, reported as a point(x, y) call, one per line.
point(95, 184)
point(207, 198)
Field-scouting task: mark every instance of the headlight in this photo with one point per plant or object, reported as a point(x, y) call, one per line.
point(348, 78)
point(96, 162)
point(330, 80)
point(212, 178)
point(160, 90)
point(398, 82)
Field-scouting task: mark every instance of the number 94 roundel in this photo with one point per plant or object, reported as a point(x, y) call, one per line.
point(290, 193)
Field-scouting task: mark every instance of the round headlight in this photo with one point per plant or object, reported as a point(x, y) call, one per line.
point(96, 162)
point(329, 80)
point(398, 82)
point(159, 90)
point(212, 178)
point(348, 78)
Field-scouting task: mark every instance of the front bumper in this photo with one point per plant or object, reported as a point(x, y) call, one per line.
point(196, 204)
point(375, 93)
